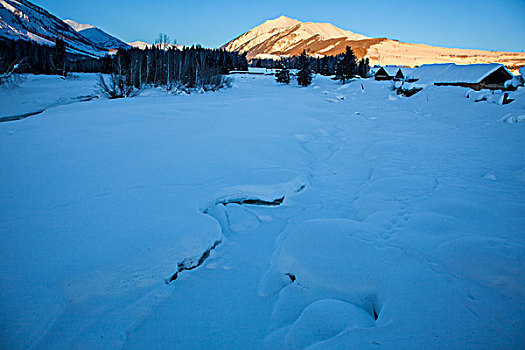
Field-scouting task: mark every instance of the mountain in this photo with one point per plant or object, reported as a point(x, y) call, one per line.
point(285, 36)
point(23, 20)
point(97, 36)
point(140, 44)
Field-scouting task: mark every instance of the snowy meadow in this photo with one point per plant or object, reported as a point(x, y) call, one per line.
point(263, 216)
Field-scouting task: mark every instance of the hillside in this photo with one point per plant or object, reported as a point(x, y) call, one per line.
point(98, 36)
point(23, 20)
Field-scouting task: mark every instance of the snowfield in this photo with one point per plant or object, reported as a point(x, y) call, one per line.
point(263, 216)
point(33, 94)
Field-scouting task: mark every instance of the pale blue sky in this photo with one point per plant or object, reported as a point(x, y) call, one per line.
point(480, 24)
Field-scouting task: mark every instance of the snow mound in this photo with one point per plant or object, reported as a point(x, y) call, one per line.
point(491, 262)
point(512, 118)
point(320, 321)
point(340, 259)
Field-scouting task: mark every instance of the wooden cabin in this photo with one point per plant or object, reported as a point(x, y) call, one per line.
point(387, 73)
point(392, 73)
point(475, 76)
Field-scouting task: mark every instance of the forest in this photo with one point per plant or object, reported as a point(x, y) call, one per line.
point(326, 65)
point(189, 68)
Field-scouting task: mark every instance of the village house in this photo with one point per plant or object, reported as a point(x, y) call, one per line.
point(475, 76)
point(392, 73)
point(386, 73)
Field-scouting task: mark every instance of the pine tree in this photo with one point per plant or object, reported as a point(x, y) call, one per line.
point(283, 76)
point(304, 76)
point(323, 70)
point(346, 67)
point(60, 53)
point(363, 68)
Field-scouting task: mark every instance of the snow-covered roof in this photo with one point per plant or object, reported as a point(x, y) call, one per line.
point(406, 71)
point(393, 70)
point(453, 73)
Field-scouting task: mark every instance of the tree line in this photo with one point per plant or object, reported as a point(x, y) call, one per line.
point(326, 65)
point(35, 58)
point(343, 67)
point(188, 68)
point(161, 64)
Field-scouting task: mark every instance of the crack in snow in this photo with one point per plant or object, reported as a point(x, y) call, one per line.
point(187, 265)
point(56, 104)
point(253, 201)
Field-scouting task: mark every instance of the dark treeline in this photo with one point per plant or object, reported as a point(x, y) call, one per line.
point(326, 65)
point(190, 68)
point(35, 58)
point(343, 67)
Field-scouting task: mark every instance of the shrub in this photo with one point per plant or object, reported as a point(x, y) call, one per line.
point(118, 86)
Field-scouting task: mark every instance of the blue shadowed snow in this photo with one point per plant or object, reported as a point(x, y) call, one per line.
point(325, 217)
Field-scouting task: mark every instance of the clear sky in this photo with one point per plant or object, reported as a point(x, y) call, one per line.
point(479, 24)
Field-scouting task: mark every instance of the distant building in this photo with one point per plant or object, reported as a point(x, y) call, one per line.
point(475, 76)
point(392, 73)
point(388, 73)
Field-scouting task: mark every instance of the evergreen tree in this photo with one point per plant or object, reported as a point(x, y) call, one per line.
point(347, 66)
point(59, 56)
point(323, 68)
point(283, 76)
point(363, 68)
point(304, 76)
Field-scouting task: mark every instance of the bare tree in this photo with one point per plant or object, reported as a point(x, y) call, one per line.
point(163, 41)
point(9, 75)
point(118, 87)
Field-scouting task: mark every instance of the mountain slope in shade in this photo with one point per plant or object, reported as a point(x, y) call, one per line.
point(288, 37)
point(98, 36)
point(24, 20)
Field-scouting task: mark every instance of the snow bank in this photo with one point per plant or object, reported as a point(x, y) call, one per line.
point(344, 261)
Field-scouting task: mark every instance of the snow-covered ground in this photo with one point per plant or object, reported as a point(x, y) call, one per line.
point(264, 216)
point(32, 94)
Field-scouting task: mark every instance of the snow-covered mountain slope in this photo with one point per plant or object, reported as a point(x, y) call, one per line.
point(395, 52)
point(140, 44)
point(24, 20)
point(78, 26)
point(97, 35)
point(287, 37)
